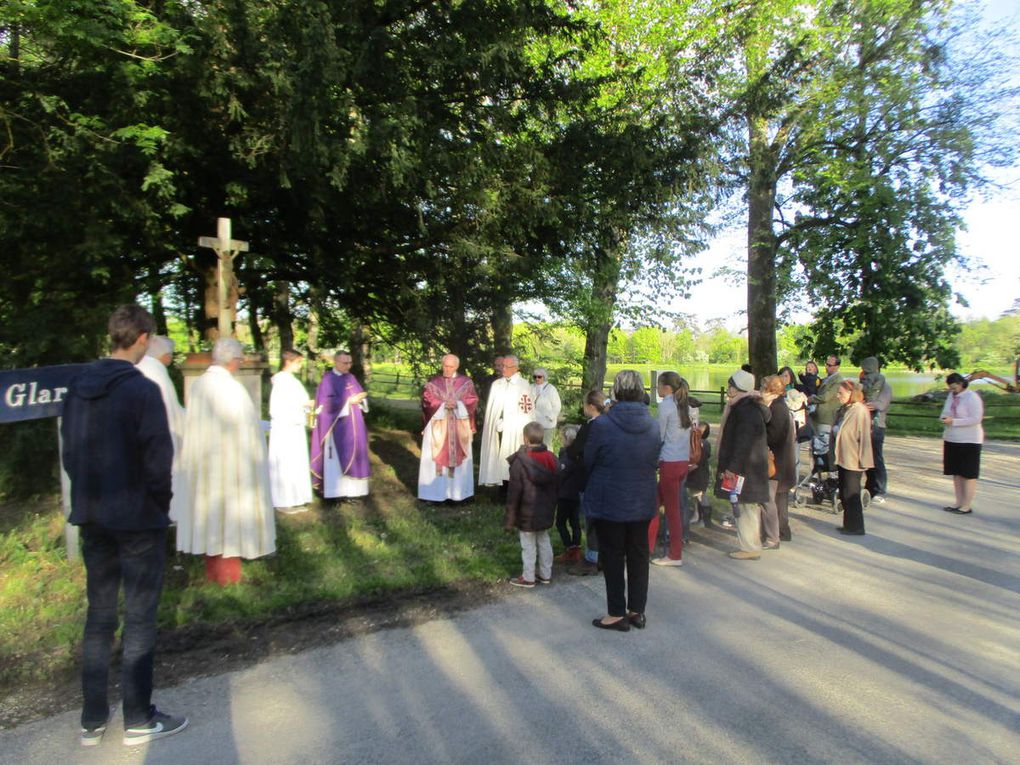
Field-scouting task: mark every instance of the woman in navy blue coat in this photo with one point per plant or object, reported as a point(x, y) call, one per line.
point(621, 457)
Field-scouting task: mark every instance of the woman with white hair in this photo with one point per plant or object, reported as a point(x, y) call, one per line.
point(621, 457)
point(547, 403)
point(743, 469)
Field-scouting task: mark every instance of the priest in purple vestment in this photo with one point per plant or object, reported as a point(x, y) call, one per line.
point(339, 459)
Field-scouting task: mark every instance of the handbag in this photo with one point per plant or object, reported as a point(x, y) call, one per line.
point(696, 453)
point(772, 464)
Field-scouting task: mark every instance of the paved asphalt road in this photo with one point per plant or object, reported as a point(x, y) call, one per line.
point(902, 646)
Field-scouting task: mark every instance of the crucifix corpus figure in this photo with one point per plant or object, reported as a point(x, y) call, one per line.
point(225, 305)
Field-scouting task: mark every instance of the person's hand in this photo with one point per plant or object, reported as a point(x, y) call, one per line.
point(450, 405)
point(357, 398)
point(871, 406)
point(947, 420)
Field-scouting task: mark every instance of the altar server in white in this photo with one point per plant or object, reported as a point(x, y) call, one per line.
point(448, 406)
point(547, 403)
point(507, 411)
point(154, 365)
point(289, 479)
point(229, 510)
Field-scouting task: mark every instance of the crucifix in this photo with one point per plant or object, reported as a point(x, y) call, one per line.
point(226, 250)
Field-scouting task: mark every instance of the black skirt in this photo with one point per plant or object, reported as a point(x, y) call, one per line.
point(963, 460)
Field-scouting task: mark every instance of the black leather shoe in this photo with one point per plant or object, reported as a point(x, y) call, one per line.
point(620, 626)
point(637, 621)
point(850, 532)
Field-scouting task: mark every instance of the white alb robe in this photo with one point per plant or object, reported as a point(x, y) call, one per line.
point(547, 408)
point(336, 485)
point(229, 509)
point(290, 482)
point(507, 411)
point(437, 485)
point(154, 369)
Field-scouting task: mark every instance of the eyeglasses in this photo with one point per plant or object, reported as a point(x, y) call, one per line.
point(538, 377)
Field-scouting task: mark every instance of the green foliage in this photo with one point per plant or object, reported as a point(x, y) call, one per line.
point(986, 343)
point(646, 346)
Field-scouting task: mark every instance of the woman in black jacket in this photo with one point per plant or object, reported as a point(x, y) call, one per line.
point(742, 469)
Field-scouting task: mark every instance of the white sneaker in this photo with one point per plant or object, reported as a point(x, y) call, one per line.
point(878, 499)
point(667, 562)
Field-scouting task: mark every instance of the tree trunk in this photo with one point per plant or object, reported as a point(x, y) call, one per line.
point(210, 304)
point(314, 306)
point(282, 318)
point(761, 250)
point(253, 325)
point(159, 314)
point(361, 352)
point(605, 283)
point(503, 329)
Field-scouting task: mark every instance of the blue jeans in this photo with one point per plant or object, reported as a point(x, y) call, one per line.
point(136, 558)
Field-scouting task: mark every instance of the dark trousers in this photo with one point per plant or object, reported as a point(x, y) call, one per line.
point(877, 476)
point(783, 510)
point(624, 547)
point(850, 496)
point(568, 513)
point(137, 559)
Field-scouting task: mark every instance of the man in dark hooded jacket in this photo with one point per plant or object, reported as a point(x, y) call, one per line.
point(118, 453)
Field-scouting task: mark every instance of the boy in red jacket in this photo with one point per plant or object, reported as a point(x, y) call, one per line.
point(531, 505)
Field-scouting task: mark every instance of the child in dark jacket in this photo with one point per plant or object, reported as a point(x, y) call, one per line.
point(531, 505)
point(568, 506)
point(809, 381)
point(698, 476)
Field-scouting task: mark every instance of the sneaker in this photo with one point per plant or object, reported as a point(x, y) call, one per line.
point(542, 580)
point(520, 581)
point(878, 499)
point(160, 725)
point(664, 561)
point(94, 736)
point(728, 522)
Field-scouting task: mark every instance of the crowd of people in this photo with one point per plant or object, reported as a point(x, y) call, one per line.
point(138, 462)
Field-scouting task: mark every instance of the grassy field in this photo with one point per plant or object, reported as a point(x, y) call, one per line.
point(387, 544)
point(907, 416)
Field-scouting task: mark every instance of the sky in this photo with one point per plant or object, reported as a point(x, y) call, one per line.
point(991, 244)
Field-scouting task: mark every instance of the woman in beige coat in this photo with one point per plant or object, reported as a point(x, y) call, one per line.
point(853, 454)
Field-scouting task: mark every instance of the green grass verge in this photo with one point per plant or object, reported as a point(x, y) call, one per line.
point(386, 545)
point(908, 417)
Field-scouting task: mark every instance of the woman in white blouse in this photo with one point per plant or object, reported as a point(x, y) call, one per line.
point(676, 418)
point(962, 437)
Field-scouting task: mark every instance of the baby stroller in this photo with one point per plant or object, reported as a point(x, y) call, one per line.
point(820, 487)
